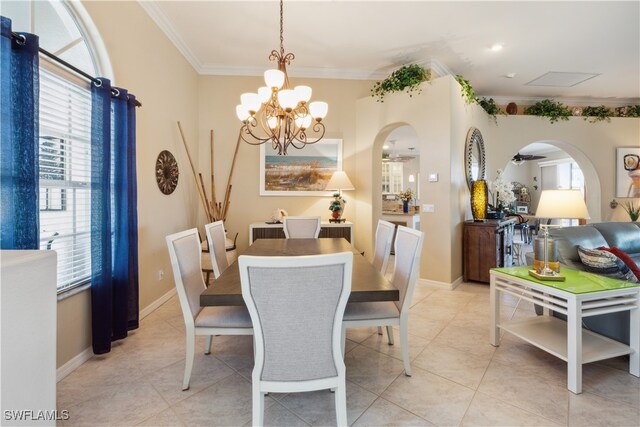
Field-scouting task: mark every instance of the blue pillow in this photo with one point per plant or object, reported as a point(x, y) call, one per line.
point(606, 264)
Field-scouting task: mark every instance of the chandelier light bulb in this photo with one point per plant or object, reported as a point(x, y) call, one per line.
point(287, 99)
point(272, 122)
point(304, 121)
point(274, 78)
point(250, 101)
point(318, 109)
point(264, 93)
point(242, 113)
point(303, 93)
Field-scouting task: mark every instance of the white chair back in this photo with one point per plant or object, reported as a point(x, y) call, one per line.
point(217, 247)
point(296, 306)
point(184, 253)
point(301, 227)
point(407, 264)
point(382, 249)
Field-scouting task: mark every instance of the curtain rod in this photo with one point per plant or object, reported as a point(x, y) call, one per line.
point(61, 61)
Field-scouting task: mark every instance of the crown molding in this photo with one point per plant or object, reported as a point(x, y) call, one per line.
point(165, 26)
point(308, 72)
point(574, 102)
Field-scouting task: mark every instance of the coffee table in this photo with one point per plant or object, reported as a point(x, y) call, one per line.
point(581, 295)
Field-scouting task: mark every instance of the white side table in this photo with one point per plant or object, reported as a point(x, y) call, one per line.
point(581, 295)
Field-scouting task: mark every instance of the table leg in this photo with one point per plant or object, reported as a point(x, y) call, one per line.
point(494, 333)
point(574, 346)
point(634, 339)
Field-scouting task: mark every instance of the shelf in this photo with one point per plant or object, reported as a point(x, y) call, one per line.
point(550, 334)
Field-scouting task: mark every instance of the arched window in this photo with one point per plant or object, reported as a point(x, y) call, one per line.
point(65, 30)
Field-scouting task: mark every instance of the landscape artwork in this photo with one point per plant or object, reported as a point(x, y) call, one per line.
point(628, 172)
point(303, 172)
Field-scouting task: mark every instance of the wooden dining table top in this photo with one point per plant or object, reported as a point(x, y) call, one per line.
point(367, 284)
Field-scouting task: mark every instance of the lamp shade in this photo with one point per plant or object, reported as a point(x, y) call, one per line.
point(339, 181)
point(562, 204)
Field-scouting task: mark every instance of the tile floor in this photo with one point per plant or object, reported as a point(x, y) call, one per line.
point(458, 377)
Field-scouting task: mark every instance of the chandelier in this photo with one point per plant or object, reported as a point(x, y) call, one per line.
point(278, 113)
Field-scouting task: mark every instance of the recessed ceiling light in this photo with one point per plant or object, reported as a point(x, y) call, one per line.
point(385, 147)
point(496, 47)
point(510, 75)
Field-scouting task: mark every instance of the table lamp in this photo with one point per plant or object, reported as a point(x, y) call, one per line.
point(557, 204)
point(339, 181)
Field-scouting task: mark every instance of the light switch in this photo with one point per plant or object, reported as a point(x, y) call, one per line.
point(433, 177)
point(428, 208)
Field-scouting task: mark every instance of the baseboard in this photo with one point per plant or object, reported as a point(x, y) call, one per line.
point(86, 354)
point(74, 363)
point(157, 303)
point(441, 285)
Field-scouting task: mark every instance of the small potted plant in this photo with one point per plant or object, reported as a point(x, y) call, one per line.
point(631, 210)
point(406, 196)
point(337, 207)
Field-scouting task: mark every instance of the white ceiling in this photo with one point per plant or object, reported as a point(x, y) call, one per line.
point(369, 39)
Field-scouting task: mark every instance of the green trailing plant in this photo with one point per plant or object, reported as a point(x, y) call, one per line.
point(406, 78)
point(631, 210)
point(490, 106)
point(597, 114)
point(468, 94)
point(554, 111)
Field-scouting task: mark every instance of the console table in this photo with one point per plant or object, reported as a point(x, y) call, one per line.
point(486, 245)
point(581, 295)
point(262, 230)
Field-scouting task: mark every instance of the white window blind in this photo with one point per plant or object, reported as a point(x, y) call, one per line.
point(65, 175)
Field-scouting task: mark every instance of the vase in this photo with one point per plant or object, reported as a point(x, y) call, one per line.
point(405, 207)
point(479, 196)
point(336, 214)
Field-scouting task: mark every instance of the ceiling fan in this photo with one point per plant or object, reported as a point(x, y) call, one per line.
point(518, 159)
point(395, 157)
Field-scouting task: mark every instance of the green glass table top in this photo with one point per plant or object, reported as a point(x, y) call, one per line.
point(577, 282)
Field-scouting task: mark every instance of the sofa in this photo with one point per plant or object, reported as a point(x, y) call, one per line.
point(625, 236)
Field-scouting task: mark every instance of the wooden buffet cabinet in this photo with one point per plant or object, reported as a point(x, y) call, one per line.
point(486, 245)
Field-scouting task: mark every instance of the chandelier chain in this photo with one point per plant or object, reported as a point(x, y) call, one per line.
point(281, 28)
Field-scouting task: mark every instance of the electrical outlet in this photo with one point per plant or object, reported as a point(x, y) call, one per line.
point(433, 177)
point(160, 275)
point(428, 208)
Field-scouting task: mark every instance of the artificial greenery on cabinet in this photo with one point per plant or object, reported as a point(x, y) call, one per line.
point(406, 78)
point(490, 106)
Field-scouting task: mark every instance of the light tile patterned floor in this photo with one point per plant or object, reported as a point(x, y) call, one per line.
point(458, 378)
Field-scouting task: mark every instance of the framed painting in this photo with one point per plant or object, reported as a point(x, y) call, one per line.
point(628, 172)
point(304, 172)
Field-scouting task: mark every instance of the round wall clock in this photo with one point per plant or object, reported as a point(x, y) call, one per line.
point(167, 172)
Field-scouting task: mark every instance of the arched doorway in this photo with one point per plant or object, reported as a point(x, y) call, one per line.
point(570, 166)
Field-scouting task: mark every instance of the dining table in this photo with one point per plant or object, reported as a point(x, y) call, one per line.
point(367, 285)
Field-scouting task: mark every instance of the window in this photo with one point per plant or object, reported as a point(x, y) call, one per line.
point(65, 129)
point(65, 173)
point(392, 177)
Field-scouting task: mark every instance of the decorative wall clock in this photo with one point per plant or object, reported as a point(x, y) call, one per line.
point(167, 172)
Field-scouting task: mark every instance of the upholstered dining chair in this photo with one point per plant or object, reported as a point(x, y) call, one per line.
point(381, 252)
point(389, 313)
point(296, 305)
point(301, 227)
point(184, 252)
point(217, 247)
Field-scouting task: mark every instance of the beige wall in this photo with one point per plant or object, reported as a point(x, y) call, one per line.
point(145, 62)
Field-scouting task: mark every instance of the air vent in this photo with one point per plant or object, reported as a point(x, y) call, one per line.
point(561, 79)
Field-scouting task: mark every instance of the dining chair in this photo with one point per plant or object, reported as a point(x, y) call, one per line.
point(301, 227)
point(296, 305)
point(184, 253)
point(382, 250)
point(389, 313)
point(217, 247)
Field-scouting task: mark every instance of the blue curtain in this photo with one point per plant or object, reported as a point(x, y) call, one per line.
point(114, 230)
point(19, 91)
